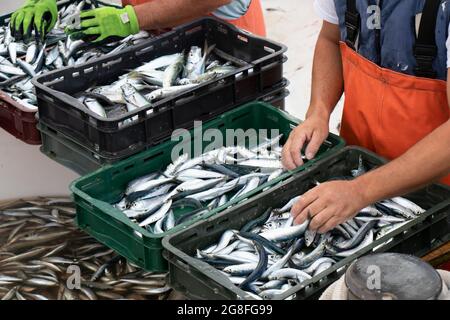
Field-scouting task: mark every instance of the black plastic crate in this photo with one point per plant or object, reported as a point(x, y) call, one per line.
point(79, 158)
point(198, 280)
point(261, 68)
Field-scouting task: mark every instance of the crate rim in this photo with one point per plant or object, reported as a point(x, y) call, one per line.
point(284, 83)
point(119, 215)
point(283, 91)
point(170, 249)
point(38, 82)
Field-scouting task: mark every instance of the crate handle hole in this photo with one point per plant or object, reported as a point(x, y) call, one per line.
point(242, 38)
point(193, 30)
point(115, 173)
point(111, 63)
point(88, 70)
point(144, 50)
point(153, 157)
point(268, 49)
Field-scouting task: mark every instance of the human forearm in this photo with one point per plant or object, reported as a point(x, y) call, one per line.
point(169, 13)
point(327, 78)
point(427, 161)
point(332, 203)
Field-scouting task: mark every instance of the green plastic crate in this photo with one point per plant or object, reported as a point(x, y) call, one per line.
point(94, 193)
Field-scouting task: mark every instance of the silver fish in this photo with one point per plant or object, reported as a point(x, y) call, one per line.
point(144, 208)
point(190, 174)
point(11, 70)
point(172, 71)
point(146, 184)
point(158, 215)
point(12, 50)
point(417, 210)
point(31, 53)
point(131, 95)
point(213, 193)
point(194, 67)
point(290, 273)
point(26, 67)
point(168, 92)
point(160, 62)
point(285, 233)
point(241, 270)
point(51, 56)
point(95, 107)
point(5, 61)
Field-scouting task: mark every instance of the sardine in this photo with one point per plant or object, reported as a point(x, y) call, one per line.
point(158, 215)
point(12, 50)
point(131, 95)
point(31, 53)
point(95, 107)
point(26, 67)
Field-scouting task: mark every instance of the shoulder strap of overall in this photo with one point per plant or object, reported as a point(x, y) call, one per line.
point(352, 23)
point(425, 49)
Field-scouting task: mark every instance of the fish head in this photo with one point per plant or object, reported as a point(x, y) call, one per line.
point(136, 206)
point(128, 90)
point(309, 237)
point(195, 55)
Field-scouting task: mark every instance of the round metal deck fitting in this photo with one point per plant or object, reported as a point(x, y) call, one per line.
point(392, 276)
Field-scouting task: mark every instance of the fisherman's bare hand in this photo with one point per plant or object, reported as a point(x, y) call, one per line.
point(312, 133)
point(329, 205)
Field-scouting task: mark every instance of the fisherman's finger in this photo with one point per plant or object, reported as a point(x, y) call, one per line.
point(296, 149)
point(313, 210)
point(329, 225)
point(18, 21)
point(321, 219)
point(75, 35)
point(286, 159)
point(314, 145)
point(298, 209)
point(99, 38)
point(39, 23)
point(87, 14)
point(88, 23)
point(12, 21)
point(28, 25)
point(92, 31)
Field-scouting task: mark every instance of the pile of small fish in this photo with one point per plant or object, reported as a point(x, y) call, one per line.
point(158, 79)
point(270, 255)
point(20, 61)
point(41, 250)
point(202, 183)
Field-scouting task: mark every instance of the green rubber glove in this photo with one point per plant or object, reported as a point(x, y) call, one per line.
point(38, 14)
point(98, 24)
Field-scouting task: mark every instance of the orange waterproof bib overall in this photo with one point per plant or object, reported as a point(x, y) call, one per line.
point(252, 21)
point(386, 111)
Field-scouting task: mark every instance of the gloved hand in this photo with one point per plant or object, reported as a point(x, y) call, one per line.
point(98, 24)
point(40, 14)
